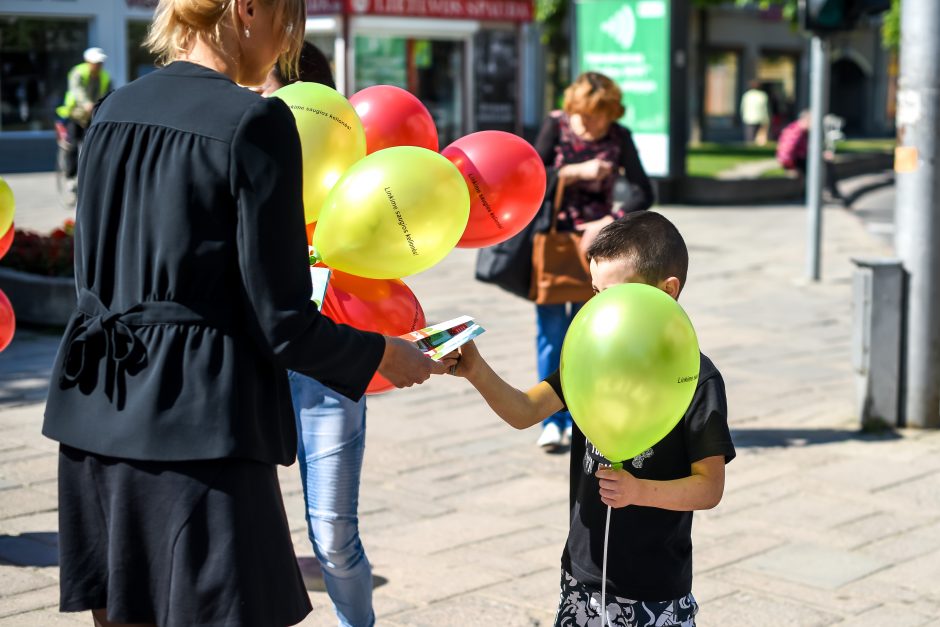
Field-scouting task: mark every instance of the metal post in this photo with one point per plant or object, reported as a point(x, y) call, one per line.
point(819, 103)
point(918, 197)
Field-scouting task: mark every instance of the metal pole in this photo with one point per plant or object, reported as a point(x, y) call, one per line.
point(918, 198)
point(819, 103)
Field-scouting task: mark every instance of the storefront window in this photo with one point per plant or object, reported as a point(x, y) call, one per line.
point(721, 88)
point(35, 58)
point(497, 92)
point(140, 61)
point(430, 69)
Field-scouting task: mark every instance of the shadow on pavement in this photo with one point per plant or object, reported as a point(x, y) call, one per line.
point(313, 575)
point(785, 438)
point(30, 549)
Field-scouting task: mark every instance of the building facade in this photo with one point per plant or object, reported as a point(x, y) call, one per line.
point(730, 46)
point(474, 63)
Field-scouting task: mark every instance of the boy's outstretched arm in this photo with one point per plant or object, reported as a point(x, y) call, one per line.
point(701, 490)
point(517, 408)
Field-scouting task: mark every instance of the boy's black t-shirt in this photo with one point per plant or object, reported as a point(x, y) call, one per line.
point(649, 555)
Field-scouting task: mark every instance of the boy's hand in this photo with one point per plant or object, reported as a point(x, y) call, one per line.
point(468, 361)
point(618, 487)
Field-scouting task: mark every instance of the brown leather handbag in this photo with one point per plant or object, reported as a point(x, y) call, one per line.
point(560, 272)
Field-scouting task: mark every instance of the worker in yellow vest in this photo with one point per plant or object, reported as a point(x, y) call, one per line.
point(88, 83)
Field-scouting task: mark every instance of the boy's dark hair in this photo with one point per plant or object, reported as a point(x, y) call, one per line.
point(649, 241)
point(313, 67)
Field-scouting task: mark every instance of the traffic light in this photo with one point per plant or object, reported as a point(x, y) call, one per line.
point(827, 16)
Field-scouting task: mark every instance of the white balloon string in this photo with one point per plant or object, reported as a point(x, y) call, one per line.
point(604, 620)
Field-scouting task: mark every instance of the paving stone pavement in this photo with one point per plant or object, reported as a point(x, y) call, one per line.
point(464, 518)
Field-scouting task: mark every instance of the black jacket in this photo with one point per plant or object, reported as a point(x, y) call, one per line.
point(192, 273)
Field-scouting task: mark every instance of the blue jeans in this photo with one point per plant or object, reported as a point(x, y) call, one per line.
point(331, 433)
point(552, 323)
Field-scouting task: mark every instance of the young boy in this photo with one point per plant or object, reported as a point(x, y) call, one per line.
point(649, 562)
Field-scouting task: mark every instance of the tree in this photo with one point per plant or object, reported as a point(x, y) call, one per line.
point(552, 15)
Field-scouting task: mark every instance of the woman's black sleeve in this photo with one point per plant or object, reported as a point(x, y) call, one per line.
point(273, 262)
point(641, 190)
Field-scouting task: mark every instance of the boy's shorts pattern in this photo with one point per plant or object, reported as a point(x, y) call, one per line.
point(579, 606)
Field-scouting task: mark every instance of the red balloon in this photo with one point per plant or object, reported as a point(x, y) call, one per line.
point(311, 228)
point(385, 306)
point(506, 180)
point(392, 116)
point(7, 321)
point(6, 241)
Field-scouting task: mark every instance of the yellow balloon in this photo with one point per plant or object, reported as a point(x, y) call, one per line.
point(331, 137)
point(397, 212)
point(7, 207)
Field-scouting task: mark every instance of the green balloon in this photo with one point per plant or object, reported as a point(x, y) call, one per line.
point(629, 368)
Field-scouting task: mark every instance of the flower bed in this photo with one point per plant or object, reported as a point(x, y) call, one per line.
point(43, 255)
point(37, 275)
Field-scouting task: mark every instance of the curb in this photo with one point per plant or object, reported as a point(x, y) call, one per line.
point(40, 300)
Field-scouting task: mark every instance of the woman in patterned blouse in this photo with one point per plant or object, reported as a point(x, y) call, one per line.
point(589, 150)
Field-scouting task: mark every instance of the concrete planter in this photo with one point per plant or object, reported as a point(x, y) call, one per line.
point(39, 299)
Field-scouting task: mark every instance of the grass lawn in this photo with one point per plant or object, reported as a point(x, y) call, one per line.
point(709, 159)
point(880, 144)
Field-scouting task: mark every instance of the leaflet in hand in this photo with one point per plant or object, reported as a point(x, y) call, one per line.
point(440, 339)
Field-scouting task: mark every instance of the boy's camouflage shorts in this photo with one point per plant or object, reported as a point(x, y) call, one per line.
point(579, 606)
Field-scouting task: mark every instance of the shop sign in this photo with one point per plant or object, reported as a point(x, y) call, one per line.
point(628, 40)
point(492, 10)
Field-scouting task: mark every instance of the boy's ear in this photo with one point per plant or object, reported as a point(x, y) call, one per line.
point(671, 286)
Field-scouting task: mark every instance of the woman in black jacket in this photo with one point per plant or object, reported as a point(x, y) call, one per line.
point(169, 394)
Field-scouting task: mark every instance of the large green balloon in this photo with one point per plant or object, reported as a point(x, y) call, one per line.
point(629, 367)
point(397, 212)
point(331, 137)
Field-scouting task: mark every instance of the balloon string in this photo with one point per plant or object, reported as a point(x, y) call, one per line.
point(604, 618)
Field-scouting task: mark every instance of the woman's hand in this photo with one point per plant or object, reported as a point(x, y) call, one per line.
point(403, 364)
point(592, 170)
point(589, 231)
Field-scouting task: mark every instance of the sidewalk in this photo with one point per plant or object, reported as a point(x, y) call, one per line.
point(464, 519)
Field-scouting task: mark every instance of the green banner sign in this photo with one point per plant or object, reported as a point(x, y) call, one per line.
point(628, 40)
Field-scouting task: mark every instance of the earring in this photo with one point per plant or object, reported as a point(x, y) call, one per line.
point(247, 33)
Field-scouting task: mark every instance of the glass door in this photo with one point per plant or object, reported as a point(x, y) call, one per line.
point(431, 69)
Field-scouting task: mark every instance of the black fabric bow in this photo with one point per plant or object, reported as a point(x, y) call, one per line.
point(102, 334)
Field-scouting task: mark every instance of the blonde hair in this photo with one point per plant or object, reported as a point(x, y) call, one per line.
point(176, 23)
point(594, 93)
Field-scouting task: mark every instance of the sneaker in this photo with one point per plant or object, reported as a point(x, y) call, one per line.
point(550, 439)
point(566, 436)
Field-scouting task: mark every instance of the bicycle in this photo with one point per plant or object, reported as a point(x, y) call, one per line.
point(65, 185)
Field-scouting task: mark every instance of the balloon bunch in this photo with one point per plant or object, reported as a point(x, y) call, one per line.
point(7, 208)
point(381, 203)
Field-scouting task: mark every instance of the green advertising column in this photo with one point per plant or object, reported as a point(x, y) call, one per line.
point(629, 41)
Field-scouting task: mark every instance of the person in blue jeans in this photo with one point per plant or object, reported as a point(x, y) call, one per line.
point(331, 433)
point(589, 150)
point(552, 322)
point(331, 438)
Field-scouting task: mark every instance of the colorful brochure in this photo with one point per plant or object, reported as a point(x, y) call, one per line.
point(320, 279)
point(440, 339)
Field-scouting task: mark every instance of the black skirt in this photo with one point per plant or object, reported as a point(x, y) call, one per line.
point(176, 543)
